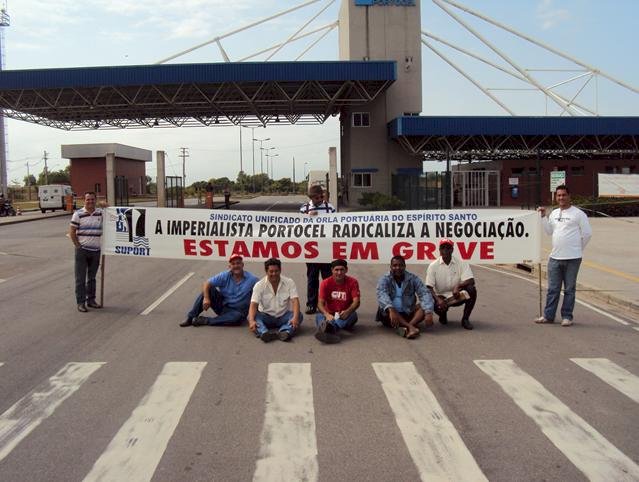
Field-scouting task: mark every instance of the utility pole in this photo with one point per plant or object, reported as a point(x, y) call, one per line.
point(294, 186)
point(241, 167)
point(28, 181)
point(46, 168)
point(184, 153)
point(5, 21)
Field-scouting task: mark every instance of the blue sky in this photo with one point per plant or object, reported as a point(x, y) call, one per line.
point(71, 33)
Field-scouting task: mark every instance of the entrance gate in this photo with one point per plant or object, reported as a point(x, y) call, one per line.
point(476, 189)
point(174, 192)
point(121, 191)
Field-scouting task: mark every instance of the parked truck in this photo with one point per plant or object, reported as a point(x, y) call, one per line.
point(53, 196)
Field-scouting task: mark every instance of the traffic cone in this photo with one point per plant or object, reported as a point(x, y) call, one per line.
point(19, 211)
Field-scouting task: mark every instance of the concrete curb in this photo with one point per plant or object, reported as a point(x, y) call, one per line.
point(26, 219)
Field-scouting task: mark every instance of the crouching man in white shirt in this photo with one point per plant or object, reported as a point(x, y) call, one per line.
point(275, 306)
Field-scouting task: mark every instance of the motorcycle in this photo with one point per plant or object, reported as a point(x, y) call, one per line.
point(6, 208)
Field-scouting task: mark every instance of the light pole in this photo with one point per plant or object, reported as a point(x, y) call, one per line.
point(253, 147)
point(270, 157)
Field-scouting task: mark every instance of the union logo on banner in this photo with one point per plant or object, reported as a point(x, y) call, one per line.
point(130, 228)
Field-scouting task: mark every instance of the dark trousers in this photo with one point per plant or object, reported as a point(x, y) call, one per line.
point(313, 271)
point(86, 267)
point(469, 304)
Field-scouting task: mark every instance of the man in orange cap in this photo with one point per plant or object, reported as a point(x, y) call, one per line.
point(451, 283)
point(227, 293)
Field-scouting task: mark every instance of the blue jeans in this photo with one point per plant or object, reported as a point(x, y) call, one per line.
point(86, 267)
point(226, 315)
point(267, 322)
point(348, 323)
point(561, 271)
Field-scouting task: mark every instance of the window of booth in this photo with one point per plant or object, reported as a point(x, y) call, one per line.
point(362, 179)
point(361, 119)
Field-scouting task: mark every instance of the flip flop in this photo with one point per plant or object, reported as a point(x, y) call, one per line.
point(412, 336)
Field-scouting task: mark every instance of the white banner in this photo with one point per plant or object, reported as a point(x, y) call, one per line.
point(482, 236)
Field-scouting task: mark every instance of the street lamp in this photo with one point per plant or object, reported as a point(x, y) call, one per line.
point(261, 141)
point(270, 157)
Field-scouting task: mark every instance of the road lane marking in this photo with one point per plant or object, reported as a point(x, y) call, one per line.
point(2, 280)
point(31, 410)
point(611, 373)
point(136, 450)
point(583, 303)
point(288, 448)
point(171, 290)
point(434, 444)
point(586, 448)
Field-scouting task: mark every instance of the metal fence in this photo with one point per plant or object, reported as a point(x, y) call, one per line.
point(476, 189)
point(174, 192)
point(429, 190)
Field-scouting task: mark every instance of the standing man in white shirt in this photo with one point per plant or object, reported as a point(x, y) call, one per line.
point(570, 232)
point(85, 232)
point(275, 306)
point(451, 282)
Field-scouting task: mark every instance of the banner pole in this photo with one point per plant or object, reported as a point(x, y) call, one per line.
point(540, 295)
point(102, 280)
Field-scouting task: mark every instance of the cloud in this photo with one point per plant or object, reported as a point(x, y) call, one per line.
point(549, 16)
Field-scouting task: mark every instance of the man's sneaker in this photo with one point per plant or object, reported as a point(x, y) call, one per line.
point(310, 310)
point(268, 336)
point(566, 322)
point(542, 320)
point(82, 308)
point(200, 321)
point(187, 322)
point(284, 336)
point(94, 305)
point(326, 333)
point(467, 324)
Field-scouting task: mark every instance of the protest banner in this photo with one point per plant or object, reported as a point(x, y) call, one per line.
point(482, 236)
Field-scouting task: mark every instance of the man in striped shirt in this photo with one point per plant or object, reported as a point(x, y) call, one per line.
point(85, 232)
point(315, 205)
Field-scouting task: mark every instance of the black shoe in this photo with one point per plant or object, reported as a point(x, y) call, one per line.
point(200, 321)
point(187, 322)
point(310, 310)
point(467, 324)
point(269, 336)
point(82, 307)
point(93, 304)
point(443, 319)
point(326, 333)
point(284, 336)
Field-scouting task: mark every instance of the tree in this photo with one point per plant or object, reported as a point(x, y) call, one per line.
point(29, 180)
point(63, 176)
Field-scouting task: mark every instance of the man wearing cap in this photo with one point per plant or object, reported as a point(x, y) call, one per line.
point(275, 305)
point(316, 204)
point(338, 300)
point(451, 283)
point(227, 293)
point(397, 296)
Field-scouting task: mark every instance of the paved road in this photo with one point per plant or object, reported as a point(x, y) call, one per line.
point(117, 395)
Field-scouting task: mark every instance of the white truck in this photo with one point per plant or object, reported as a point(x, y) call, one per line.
point(53, 196)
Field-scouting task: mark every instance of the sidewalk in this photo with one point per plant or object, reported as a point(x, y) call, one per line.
point(610, 267)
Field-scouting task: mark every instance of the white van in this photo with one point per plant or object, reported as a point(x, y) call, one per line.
point(52, 196)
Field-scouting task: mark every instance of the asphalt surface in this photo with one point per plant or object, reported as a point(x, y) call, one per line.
point(220, 433)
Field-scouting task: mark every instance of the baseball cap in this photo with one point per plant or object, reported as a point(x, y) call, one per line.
point(446, 241)
point(235, 256)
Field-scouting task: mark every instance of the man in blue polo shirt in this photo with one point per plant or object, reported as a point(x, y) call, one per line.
point(228, 294)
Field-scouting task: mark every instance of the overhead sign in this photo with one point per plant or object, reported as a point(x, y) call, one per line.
point(557, 178)
point(619, 185)
point(482, 236)
point(393, 3)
